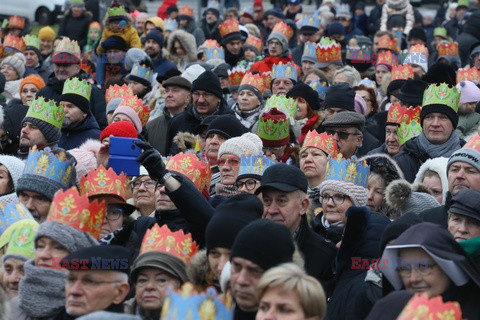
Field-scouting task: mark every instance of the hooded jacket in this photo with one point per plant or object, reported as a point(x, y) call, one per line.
point(438, 165)
point(75, 28)
point(74, 137)
point(187, 41)
point(193, 29)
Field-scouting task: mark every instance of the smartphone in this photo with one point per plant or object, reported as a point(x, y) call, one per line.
point(124, 147)
point(127, 165)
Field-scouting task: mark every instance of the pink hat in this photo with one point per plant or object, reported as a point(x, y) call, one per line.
point(131, 114)
point(360, 104)
point(469, 92)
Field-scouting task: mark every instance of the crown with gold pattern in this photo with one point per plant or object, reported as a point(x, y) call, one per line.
point(236, 75)
point(447, 49)
point(189, 304)
point(322, 141)
point(116, 10)
point(402, 72)
point(363, 53)
point(385, 42)
point(284, 71)
point(254, 165)
point(47, 111)
point(101, 181)
point(420, 307)
point(2, 49)
point(309, 49)
point(254, 41)
point(258, 81)
point(328, 50)
point(198, 171)
point(418, 48)
point(441, 94)
point(283, 28)
point(31, 41)
point(228, 27)
point(268, 79)
point(79, 87)
point(16, 22)
point(66, 51)
point(274, 127)
point(348, 170)
point(16, 43)
point(408, 121)
point(473, 143)
point(387, 58)
point(282, 103)
point(136, 104)
point(214, 53)
point(320, 86)
point(210, 43)
point(116, 91)
point(176, 243)
point(307, 21)
point(185, 11)
point(11, 213)
point(468, 74)
point(72, 209)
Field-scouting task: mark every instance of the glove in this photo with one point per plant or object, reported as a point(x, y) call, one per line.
point(151, 159)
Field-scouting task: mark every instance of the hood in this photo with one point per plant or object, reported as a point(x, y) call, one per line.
point(187, 40)
point(438, 165)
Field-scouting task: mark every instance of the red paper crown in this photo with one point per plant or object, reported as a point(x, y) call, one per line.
point(101, 181)
point(229, 26)
point(385, 42)
point(468, 74)
point(421, 308)
point(473, 143)
point(211, 44)
point(418, 48)
point(189, 165)
point(2, 50)
point(268, 79)
point(175, 243)
point(258, 81)
point(401, 114)
point(328, 53)
point(76, 211)
point(14, 42)
point(16, 22)
point(256, 42)
point(235, 76)
point(283, 28)
point(322, 141)
point(117, 91)
point(185, 11)
point(136, 104)
point(447, 49)
point(387, 58)
point(402, 72)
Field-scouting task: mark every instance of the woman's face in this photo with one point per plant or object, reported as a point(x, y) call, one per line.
point(280, 305)
point(313, 162)
point(247, 100)
point(217, 258)
point(310, 78)
point(28, 93)
point(229, 165)
point(462, 227)
point(380, 72)
point(152, 288)
point(122, 117)
point(179, 51)
point(334, 205)
point(94, 34)
point(376, 187)
point(302, 110)
point(434, 186)
point(366, 96)
point(4, 181)
point(148, 27)
point(45, 46)
point(113, 220)
point(48, 252)
point(9, 72)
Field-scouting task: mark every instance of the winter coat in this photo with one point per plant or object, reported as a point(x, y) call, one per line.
point(173, 219)
point(407, 12)
point(44, 70)
point(332, 233)
point(381, 149)
point(129, 35)
point(453, 28)
point(369, 142)
point(233, 59)
point(438, 165)
point(74, 137)
point(297, 54)
point(13, 113)
point(469, 38)
point(53, 90)
point(467, 125)
point(162, 65)
point(374, 20)
point(75, 28)
point(361, 23)
point(351, 31)
point(157, 131)
point(187, 41)
point(211, 31)
point(197, 32)
point(266, 64)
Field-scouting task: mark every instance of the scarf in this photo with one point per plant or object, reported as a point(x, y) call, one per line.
point(440, 150)
point(199, 117)
point(327, 224)
point(225, 190)
point(42, 291)
point(105, 241)
point(247, 118)
point(314, 194)
point(307, 127)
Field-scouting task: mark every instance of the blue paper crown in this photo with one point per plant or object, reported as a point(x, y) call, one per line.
point(284, 71)
point(249, 10)
point(170, 24)
point(143, 72)
point(213, 4)
point(309, 49)
point(214, 53)
point(44, 163)
point(11, 213)
point(254, 165)
point(342, 10)
point(190, 305)
point(309, 21)
point(319, 86)
point(363, 53)
point(350, 170)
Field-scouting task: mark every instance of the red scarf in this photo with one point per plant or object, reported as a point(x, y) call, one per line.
point(307, 127)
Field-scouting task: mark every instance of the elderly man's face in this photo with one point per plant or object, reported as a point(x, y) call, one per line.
point(348, 139)
point(37, 204)
point(244, 279)
point(281, 86)
point(462, 175)
point(87, 291)
point(391, 139)
point(13, 273)
point(205, 102)
point(462, 227)
point(212, 144)
point(65, 71)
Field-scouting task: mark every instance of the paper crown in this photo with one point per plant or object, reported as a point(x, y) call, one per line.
point(116, 91)
point(401, 114)
point(473, 143)
point(31, 41)
point(447, 49)
point(309, 49)
point(236, 75)
point(328, 50)
point(407, 131)
point(170, 24)
point(420, 307)
point(210, 43)
point(228, 27)
point(273, 126)
point(385, 42)
point(185, 11)
point(16, 22)
point(309, 21)
point(468, 74)
point(283, 28)
point(11, 213)
point(282, 103)
point(100, 182)
point(342, 10)
point(387, 58)
point(440, 32)
point(116, 10)
point(402, 72)
point(72, 209)
point(287, 71)
point(77, 86)
point(22, 240)
point(176, 243)
point(248, 12)
point(441, 94)
point(349, 170)
point(14, 42)
point(320, 86)
point(136, 104)
point(47, 111)
point(254, 41)
point(143, 72)
point(215, 53)
point(258, 81)
point(66, 51)
point(254, 165)
point(46, 164)
point(188, 304)
point(363, 53)
point(2, 48)
point(418, 48)
point(213, 4)
point(189, 165)
point(86, 66)
point(322, 141)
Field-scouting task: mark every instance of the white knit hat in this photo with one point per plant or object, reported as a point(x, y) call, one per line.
point(248, 143)
point(469, 92)
point(17, 61)
point(14, 166)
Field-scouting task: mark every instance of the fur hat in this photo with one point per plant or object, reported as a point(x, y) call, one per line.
point(247, 144)
point(17, 61)
point(469, 92)
point(438, 165)
point(400, 197)
point(383, 165)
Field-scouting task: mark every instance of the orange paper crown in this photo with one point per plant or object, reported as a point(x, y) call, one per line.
point(229, 26)
point(14, 42)
point(268, 79)
point(136, 104)
point(401, 114)
point(189, 165)
point(322, 141)
point(402, 72)
point(418, 48)
point(447, 49)
point(175, 243)
point(101, 181)
point(117, 91)
point(235, 76)
point(328, 53)
point(16, 22)
point(185, 11)
point(211, 43)
point(421, 308)
point(254, 41)
point(72, 209)
point(257, 81)
point(473, 143)
point(283, 28)
point(468, 74)
point(387, 58)
point(386, 43)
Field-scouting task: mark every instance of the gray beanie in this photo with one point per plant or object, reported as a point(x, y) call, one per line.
point(14, 166)
point(160, 260)
point(467, 155)
point(400, 197)
point(70, 238)
point(17, 61)
point(113, 104)
point(356, 193)
point(134, 55)
point(51, 133)
point(283, 40)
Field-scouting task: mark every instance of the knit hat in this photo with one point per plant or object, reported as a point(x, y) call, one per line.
point(114, 42)
point(397, 4)
point(246, 144)
point(34, 79)
point(274, 128)
point(280, 37)
point(225, 125)
point(193, 72)
point(230, 217)
point(265, 243)
point(400, 196)
point(466, 203)
point(417, 33)
point(336, 28)
point(441, 99)
point(46, 33)
point(469, 92)
point(397, 227)
point(276, 12)
point(21, 245)
point(360, 104)
point(47, 117)
point(440, 72)
point(134, 55)
point(467, 155)
point(340, 96)
point(346, 119)
point(306, 92)
point(283, 177)
point(208, 82)
point(112, 105)
point(16, 61)
point(131, 114)
point(412, 92)
point(156, 34)
point(438, 165)
point(77, 91)
point(86, 157)
point(124, 129)
point(14, 165)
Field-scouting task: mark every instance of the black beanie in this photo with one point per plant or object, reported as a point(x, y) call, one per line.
point(227, 126)
point(79, 101)
point(156, 34)
point(114, 42)
point(208, 82)
point(397, 227)
point(340, 96)
point(440, 108)
point(439, 73)
point(265, 243)
point(230, 217)
point(306, 92)
point(417, 33)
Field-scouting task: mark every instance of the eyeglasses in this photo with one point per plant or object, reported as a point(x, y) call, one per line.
point(337, 198)
point(234, 161)
point(249, 184)
point(148, 184)
point(87, 282)
point(341, 134)
point(114, 212)
point(423, 270)
point(205, 95)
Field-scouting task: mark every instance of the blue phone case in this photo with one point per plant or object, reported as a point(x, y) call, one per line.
point(127, 165)
point(124, 147)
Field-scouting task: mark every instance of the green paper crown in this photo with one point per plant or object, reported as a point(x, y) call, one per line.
point(72, 2)
point(327, 41)
point(22, 242)
point(406, 132)
point(47, 111)
point(465, 3)
point(273, 130)
point(441, 94)
point(282, 103)
point(116, 11)
point(440, 32)
point(31, 41)
point(79, 87)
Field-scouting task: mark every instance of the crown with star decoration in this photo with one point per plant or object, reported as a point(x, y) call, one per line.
point(72, 209)
point(322, 141)
point(16, 22)
point(348, 170)
point(387, 58)
point(319, 86)
point(446, 48)
point(283, 28)
point(421, 307)
point(47, 111)
point(80, 87)
point(254, 165)
point(136, 104)
point(236, 75)
point(188, 164)
point(258, 81)
point(16, 43)
point(101, 181)
point(441, 94)
point(228, 27)
point(385, 42)
point(328, 50)
point(255, 42)
point(31, 41)
point(214, 53)
point(468, 74)
point(285, 71)
point(176, 243)
point(185, 11)
point(116, 91)
point(402, 72)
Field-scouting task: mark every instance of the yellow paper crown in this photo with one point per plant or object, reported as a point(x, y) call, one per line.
point(136, 104)
point(283, 28)
point(402, 72)
point(255, 80)
point(228, 27)
point(322, 141)
point(468, 74)
point(447, 49)
point(117, 91)
point(101, 181)
point(385, 42)
point(14, 42)
point(236, 75)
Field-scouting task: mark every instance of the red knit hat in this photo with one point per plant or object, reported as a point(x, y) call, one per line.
point(124, 129)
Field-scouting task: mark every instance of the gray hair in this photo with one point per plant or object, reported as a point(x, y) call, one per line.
point(353, 76)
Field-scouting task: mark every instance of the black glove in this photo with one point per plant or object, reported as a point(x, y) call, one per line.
point(151, 159)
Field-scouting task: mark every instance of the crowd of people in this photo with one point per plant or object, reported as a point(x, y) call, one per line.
point(257, 164)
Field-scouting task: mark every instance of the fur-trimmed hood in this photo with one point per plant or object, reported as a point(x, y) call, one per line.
point(438, 165)
point(127, 17)
point(185, 142)
point(187, 40)
point(401, 198)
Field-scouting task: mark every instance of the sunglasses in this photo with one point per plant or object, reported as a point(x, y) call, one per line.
point(341, 134)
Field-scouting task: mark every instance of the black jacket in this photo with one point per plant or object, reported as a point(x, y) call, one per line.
point(411, 158)
point(438, 215)
point(75, 28)
point(469, 38)
point(74, 137)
